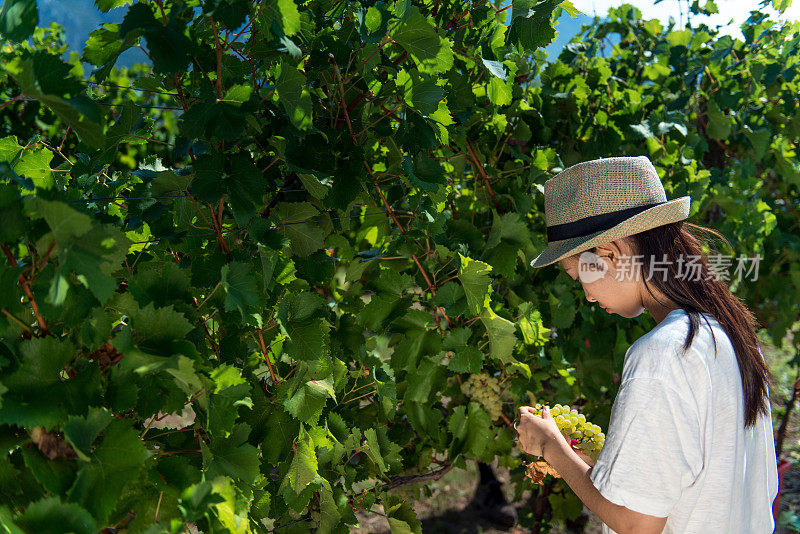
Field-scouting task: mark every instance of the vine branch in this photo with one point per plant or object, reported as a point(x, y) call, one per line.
point(23, 282)
point(424, 477)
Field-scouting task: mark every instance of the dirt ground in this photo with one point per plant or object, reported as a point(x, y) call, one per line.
point(447, 511)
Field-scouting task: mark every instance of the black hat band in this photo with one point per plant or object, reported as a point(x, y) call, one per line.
point(595, 223)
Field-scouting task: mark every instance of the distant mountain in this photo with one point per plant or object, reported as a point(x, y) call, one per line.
point(81, 17)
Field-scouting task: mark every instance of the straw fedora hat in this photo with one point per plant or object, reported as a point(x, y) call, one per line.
point(599, 201)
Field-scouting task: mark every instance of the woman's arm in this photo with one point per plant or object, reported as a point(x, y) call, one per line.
point(540, 436)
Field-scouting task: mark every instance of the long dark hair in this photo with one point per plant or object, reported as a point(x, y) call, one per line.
point(705, 294)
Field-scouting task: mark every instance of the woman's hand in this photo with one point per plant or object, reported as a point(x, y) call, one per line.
point(537, 434)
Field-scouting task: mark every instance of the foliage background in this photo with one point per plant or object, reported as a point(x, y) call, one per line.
point(242, 284)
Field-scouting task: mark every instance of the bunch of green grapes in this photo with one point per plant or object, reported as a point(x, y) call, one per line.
point(583, 435)
point(485, 389)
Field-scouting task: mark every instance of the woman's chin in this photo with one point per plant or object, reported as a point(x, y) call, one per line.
point(630, 314)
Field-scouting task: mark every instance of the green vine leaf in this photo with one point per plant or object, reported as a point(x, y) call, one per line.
point(18, 18)
point(431, 53)
point(303, 469)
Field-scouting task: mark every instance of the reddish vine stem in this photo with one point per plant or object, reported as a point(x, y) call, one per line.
point(431, 286)
point(210, 338)
point(12, 101)
point(389, 113)
point(463, 53)
point(218, 81)
point(424, 275)
point(266, 356)
point(485, 176)
point(359, 97)
point(219, 210)
point(386, 40)
point(453, 209)
point(217, 227)
point(23, 282)
point(163, 14)
point(344, 103)
point(214, 345)
point(448, 279)
point(178, 88)
point(63, 139)
point(385, 202)
point(249, 23)
point(45, 258)
point(506, 420)
point(210, 294)
point(496, 158)
point(271, 163)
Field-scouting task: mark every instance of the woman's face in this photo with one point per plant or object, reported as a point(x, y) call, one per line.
point(606, 280)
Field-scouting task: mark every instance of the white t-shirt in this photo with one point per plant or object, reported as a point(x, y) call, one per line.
point(676, 446)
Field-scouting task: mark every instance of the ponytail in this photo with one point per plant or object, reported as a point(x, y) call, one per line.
point(706, 294)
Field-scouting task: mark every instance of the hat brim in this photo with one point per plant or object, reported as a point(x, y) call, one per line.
point(669, 212)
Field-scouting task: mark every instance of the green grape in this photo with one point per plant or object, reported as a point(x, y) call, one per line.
point(583, 434)
point(484, 389)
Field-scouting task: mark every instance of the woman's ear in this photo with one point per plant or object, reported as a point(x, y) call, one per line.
point(610, 251)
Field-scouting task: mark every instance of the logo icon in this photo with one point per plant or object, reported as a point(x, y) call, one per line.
point(591, 267)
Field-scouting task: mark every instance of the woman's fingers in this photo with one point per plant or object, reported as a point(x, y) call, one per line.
point(528, 411)
point(533, 430)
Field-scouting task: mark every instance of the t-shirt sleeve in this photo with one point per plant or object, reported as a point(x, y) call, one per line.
point(652, 450)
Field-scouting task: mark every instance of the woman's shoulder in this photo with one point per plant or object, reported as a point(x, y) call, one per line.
point(659, 353)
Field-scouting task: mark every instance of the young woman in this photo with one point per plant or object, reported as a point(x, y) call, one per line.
point(689, 446)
